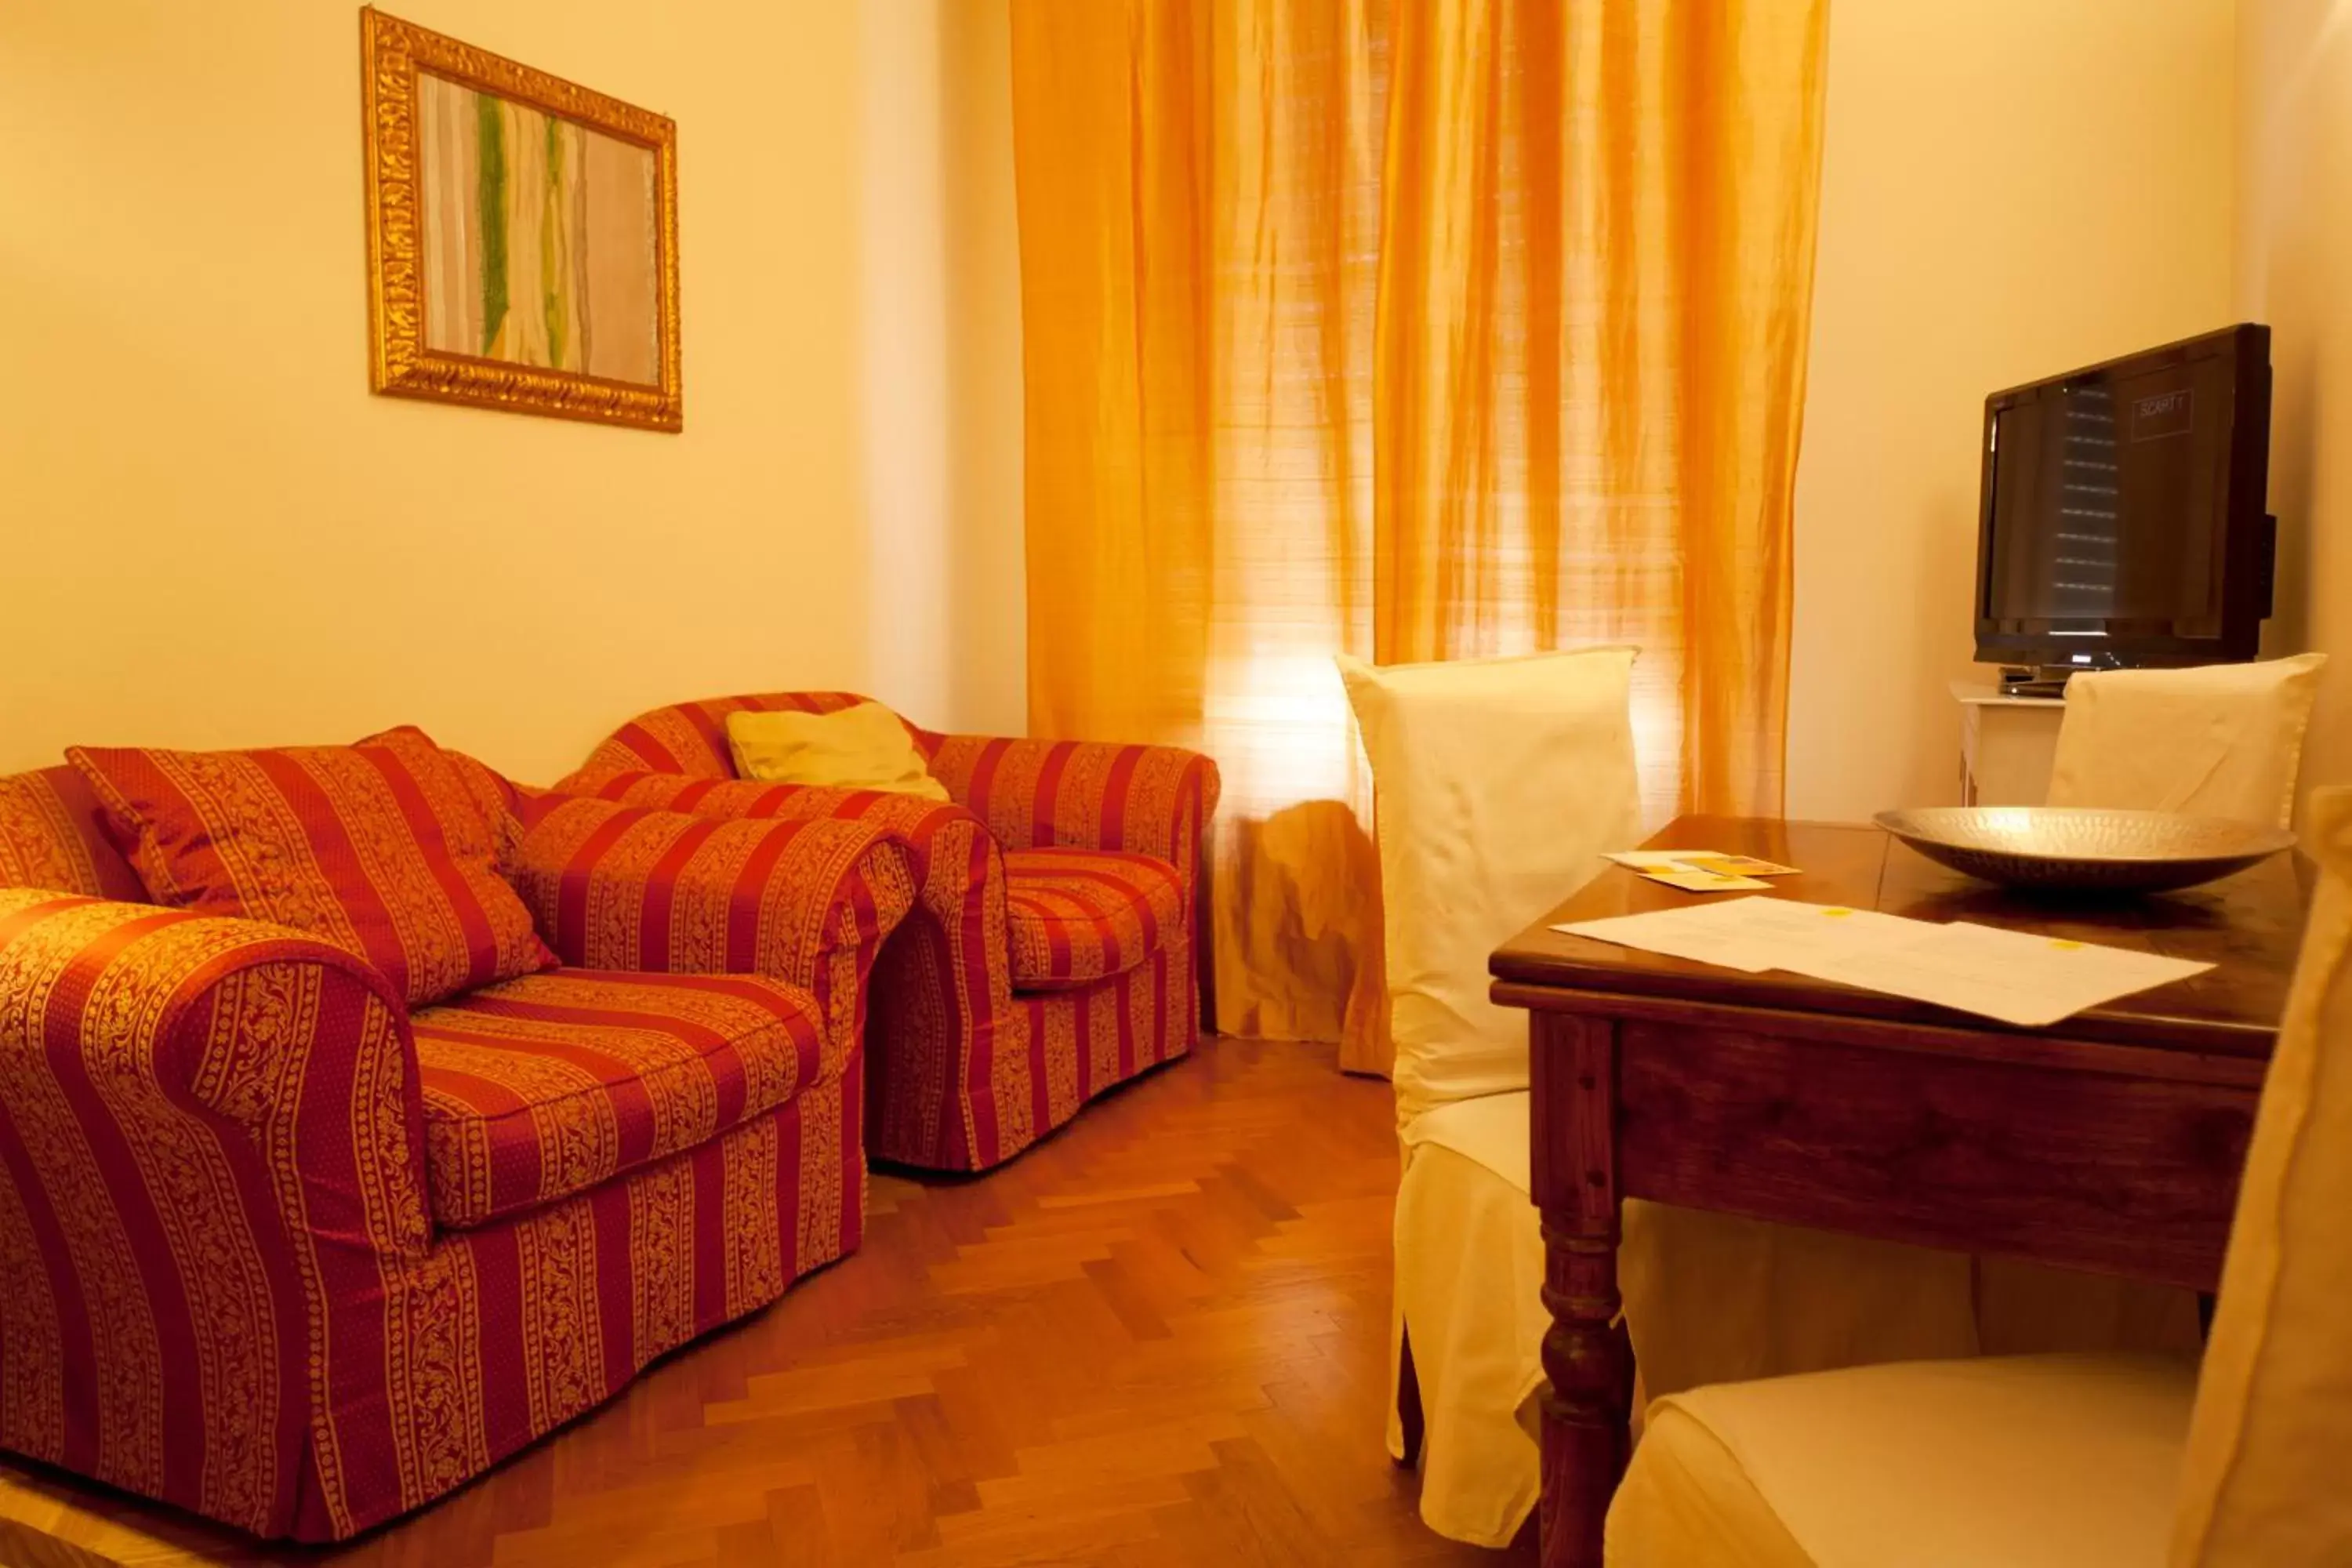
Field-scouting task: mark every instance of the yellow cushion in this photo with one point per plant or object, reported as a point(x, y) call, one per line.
point(2223, 740)
point(2266, 1476)
point(1497, 785)
point(2022, 1462)
point(861, 747)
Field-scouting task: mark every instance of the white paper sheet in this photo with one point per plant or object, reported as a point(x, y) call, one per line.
point(1752, 934)
point(1677, 934)
point(2017, 977)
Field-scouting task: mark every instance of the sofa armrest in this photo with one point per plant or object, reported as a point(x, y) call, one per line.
point(950, 850)
point(211, 1144)
point(729, 798)
point(807, 901)
point(1086, 795)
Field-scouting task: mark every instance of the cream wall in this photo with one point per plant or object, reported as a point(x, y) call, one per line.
point(2010, 188)
point(988, 674)
point(2293, 271)
point(215, 535)
point(943, 423)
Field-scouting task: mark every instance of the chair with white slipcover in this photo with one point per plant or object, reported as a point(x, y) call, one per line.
point(2220, 740)
point(1498, 784)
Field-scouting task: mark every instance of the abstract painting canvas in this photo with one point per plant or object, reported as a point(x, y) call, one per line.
point(524, 235)
point(539, 246)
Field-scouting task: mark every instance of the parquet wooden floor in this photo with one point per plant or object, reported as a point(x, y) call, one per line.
point(1155, 1340)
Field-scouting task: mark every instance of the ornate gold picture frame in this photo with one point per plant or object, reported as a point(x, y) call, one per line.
point(522, 235)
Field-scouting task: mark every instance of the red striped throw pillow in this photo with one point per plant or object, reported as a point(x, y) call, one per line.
point(379, 847)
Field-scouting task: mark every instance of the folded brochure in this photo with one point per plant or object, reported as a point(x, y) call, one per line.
point(2022, 978)
point(1702, 870)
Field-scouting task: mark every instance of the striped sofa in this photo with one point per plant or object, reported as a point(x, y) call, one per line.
point(284, 1252)
point(1051, 952)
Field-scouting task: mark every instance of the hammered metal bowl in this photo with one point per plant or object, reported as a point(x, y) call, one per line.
point(2076, 849)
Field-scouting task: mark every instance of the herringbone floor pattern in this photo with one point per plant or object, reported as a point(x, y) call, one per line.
point(1158, 1339)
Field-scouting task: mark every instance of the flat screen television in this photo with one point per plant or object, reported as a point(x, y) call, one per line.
point(2122, 517)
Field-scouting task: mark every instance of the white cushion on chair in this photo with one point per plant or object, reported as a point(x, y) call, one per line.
point(2025, 1462)
point(1493, 1129)
point(1497, 785)
point(2222, 740)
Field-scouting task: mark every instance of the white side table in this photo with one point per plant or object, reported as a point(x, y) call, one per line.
point(2007, 744)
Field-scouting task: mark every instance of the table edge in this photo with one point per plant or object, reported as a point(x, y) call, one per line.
point(1734, 988)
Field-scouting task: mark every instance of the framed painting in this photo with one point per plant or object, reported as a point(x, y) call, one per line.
point(522, 235)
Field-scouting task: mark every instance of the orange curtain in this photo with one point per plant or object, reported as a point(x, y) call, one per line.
point(1414, 330)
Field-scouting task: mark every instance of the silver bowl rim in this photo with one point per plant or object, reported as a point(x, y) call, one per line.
point(2258, 841)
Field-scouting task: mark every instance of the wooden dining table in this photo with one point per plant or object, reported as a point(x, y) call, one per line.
point(2110, 1142)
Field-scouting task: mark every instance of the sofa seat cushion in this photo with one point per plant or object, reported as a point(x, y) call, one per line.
point(1081, 915)
point(553, 1083)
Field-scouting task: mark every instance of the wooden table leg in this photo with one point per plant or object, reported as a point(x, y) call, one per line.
point(1587, 1409)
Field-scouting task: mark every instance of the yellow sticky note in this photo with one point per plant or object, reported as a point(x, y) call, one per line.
point(1698, 879)
point(1734, 865)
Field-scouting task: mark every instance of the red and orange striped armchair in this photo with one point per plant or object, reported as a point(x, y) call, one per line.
point(1051, 952)
point(284, 1251)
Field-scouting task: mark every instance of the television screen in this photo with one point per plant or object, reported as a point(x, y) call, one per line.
point(2115, 502)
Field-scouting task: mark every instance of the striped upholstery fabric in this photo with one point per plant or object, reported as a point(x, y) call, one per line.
point(549, 1085)
point(1098, 1036)
point(1081, 915)
point(241, 1303)
point(967, 1073)
point(209, 1136)
point(500, 798)
point(225, 1289)
point(379, 847)
point(1084, 794)
point(941, 989)
point(229, 1288)
point(504, 1334)
point(53, 834)
point(804, 901)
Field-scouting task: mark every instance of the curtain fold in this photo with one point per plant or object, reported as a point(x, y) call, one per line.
point(1422, 330)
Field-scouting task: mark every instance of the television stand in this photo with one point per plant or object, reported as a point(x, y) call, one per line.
point(2045, 682)
point(2050, 679)
point(2007, 745)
